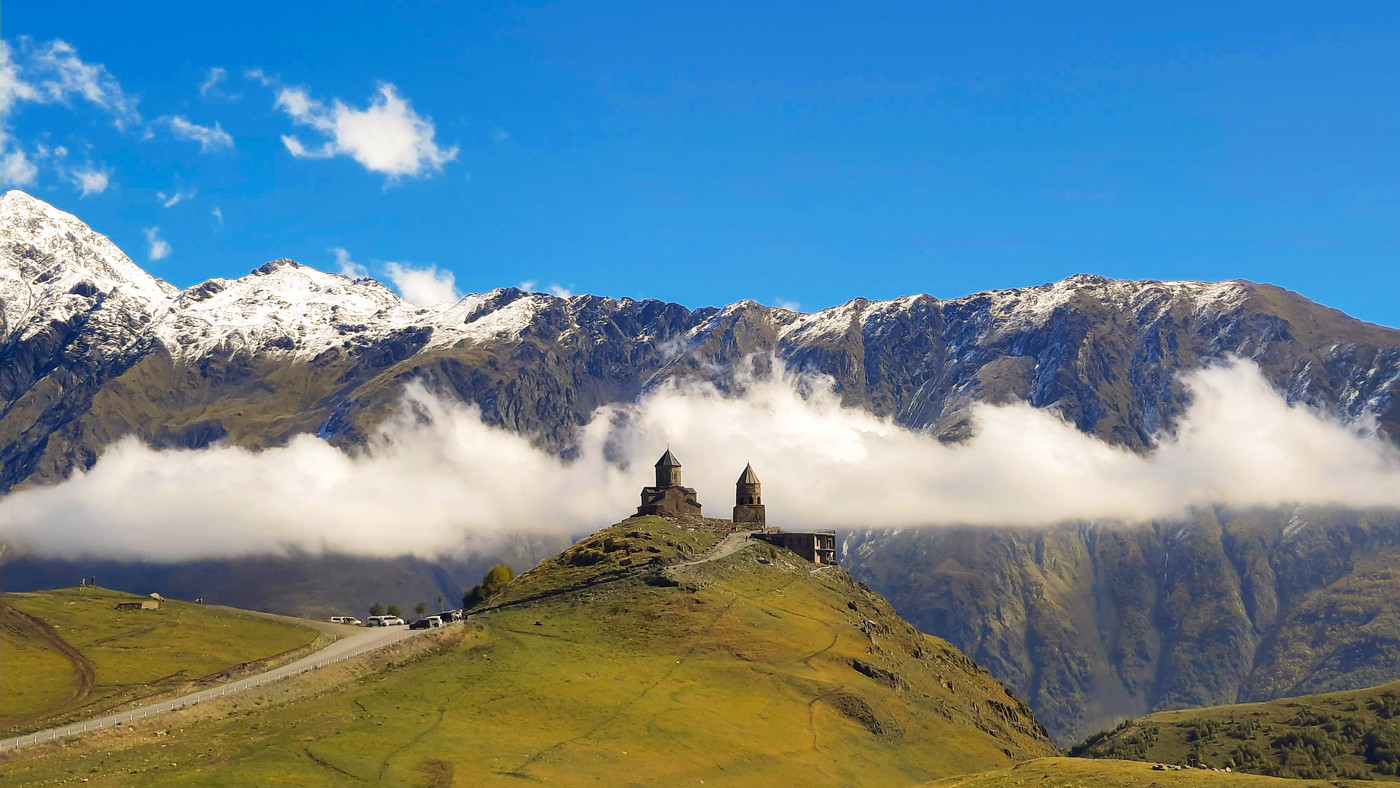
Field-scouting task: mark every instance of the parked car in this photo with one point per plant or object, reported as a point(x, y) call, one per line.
point(350, 620)
point(421, 623)
point(385, 621)
point(448, 616)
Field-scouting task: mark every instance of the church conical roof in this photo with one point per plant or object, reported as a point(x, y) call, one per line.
point(668, 460)
point(748, 477)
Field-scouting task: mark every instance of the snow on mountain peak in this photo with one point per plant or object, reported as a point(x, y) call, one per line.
point(281, 306)
point(52, 265)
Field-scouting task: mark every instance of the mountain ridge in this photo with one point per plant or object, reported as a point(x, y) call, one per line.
point(1104, 355)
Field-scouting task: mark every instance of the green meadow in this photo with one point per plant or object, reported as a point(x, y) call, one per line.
point(70, 654)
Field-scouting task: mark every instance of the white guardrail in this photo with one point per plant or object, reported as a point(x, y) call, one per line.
point(233, 687)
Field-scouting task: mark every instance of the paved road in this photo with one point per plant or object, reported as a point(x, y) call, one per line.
point(355, 644)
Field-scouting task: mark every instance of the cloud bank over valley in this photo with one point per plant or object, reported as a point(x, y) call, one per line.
point(434, 479)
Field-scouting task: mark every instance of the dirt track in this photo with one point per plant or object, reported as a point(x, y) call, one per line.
point(84, 673)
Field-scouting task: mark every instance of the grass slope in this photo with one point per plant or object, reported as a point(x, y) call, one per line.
point(1351, 734)
point(68, 653)
point(1078, 773)
point(748, 670)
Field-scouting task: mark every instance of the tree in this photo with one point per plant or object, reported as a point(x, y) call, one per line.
point(472, 598)
point(394, 611)
point(496, 579)
point(421, 608)
point(376, 609)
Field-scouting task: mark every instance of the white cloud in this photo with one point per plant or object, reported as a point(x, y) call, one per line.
point(210, 138)
point(176, 197)
point(159, 249)
point(13, 87)
point(788, 304)
point(347, 266)
point(437, 465)
point(386, 137)
point(528, 285)
point(57, 74)
point(424, 286)
point(16, 169)
point(90, 180)
point(561, 292)
point(218, 213)
point(210, 85)
point(259, 76)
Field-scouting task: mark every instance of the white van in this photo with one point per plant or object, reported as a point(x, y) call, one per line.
point(385, 621)
point(350, 620)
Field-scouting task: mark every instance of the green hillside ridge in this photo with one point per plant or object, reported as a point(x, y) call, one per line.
point(1353, 734)
point(1080, 773)
point(68, 654)
point(620, 662)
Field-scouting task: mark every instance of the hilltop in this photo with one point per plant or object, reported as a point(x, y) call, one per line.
point(627, 659)
point(79, 657)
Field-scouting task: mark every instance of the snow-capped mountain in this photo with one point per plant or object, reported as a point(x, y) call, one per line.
point(94, 348)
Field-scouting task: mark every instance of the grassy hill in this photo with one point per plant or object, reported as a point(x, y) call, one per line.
point(611, 664)
point(1351, 734)
point(69, 654)
point(1079, 773)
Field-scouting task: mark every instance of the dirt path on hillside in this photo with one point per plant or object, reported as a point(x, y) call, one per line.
point(84, 673)
point(725, 547)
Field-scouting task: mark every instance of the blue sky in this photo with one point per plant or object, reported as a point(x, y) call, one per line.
point(804, 153)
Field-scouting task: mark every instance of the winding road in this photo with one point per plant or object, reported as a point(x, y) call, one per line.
point(351, 646)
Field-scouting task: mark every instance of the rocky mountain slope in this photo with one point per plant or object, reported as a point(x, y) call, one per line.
point(92, 349)
point(1095, 623)
point(95, 348)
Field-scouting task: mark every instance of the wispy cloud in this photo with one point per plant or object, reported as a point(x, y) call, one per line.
point(210, 86)
point(90, 180)
point(386, 137)
point(345, 265)
point(425, 285)
point(788, 304)
point(210, 138)
point(218, 214)
point(53, 72)
point(174, 198)
point(158, 248)
point(562, 292)
point(16, 169)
